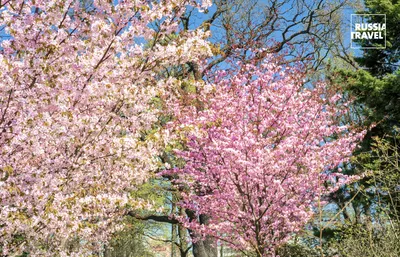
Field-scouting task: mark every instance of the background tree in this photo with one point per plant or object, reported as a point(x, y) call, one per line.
point(373, 81)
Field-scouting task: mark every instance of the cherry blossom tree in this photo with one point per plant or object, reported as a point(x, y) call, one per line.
point(77, 80)
point(262, 147)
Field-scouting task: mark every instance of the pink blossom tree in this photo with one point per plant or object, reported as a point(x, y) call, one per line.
point(76, 82)
point(260, 148)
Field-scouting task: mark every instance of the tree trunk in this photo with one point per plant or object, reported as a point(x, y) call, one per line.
point(358, 211)
point(204, 248)
point(183, 237)
point(173, 240)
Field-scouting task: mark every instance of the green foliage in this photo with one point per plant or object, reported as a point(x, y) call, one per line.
point(383, 168)
point(132, 240)
point(356, 241)
point(368, 227)
point(153, 191)
point(129, 242)
point(382, 61)
point(377, 100)
point(296, 250)
point(188, 87)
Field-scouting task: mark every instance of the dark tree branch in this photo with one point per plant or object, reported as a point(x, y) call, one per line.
point(165, 219)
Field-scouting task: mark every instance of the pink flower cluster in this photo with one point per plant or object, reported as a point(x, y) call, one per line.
point(259, 151)
point(76, 83)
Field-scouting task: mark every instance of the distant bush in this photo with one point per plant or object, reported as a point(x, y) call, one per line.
point(296, 250)
point(360, 241)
